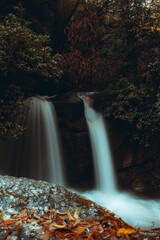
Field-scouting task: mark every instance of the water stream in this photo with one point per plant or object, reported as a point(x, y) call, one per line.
point(101, 151)
point(37, 154)
point(135, 211)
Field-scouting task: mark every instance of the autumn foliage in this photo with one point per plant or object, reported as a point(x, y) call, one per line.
point(64, 225)
point(81, 62)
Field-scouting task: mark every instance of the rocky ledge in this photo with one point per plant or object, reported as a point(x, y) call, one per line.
point(29, 206)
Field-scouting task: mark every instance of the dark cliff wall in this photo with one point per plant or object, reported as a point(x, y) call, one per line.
point(137, 167)
point(75, 141)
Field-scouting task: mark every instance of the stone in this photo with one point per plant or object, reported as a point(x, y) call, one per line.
point(23, 193)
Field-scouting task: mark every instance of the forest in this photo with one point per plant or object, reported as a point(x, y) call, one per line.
point(57, 59)
point(50, 47)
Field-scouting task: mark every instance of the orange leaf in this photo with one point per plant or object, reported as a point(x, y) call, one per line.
point(127, 237)
point(122, 231)
point(59, 235)
point(6, 234)
point(69, 215)
point(18, 226)
point(81, 230)
point(35, 214)
point(116, 224)
point(90, 237)
point(76, 213)
point(23, 213)
point(7, 222)
point(58, 226)
point(46, 236)
point(75, 223)
point(22, 201)
point(107, 236)
point(60, 220)
point(61, 213)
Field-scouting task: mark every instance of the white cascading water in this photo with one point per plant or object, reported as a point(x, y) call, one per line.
point(37, 154)
point(101, 151)
point(135, 211)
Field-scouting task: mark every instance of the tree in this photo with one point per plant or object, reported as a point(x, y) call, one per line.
point(82, 64)
point(26, 63)
point(11, 103)
point(133, 57)
point(40, 12)
point(23, 53)
point(139, 107)
point(46, 16)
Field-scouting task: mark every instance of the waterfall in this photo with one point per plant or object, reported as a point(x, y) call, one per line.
point(104, 171)
point(135, 211)
point(37, 154)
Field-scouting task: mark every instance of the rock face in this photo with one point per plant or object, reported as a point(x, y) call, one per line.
point(21, 198)
point(75, 141)
point(18, 194)
point(137, 167)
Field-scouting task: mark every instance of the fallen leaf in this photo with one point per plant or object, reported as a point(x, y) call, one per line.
point(70, 215)
point(71, 227)
point(6, 234)
point(18, 226)
point(58, 226)
point(22, 201)
point(76, 213)
point(122, 231)
point(81, 230)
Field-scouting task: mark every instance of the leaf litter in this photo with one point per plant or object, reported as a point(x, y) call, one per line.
point(67, 225)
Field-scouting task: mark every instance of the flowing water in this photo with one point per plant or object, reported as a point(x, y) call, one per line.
point(135, 211)
point(101, 151)
point(37, 154)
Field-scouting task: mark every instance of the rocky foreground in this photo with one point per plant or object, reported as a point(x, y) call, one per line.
point(33, 209)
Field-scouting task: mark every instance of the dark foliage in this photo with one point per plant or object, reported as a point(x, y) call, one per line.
point(26, 64)
point(112, 45)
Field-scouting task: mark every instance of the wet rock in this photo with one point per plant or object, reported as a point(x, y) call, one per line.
point(138, 185)
point(17, 194)
point(75, 140)
point(40, 196)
